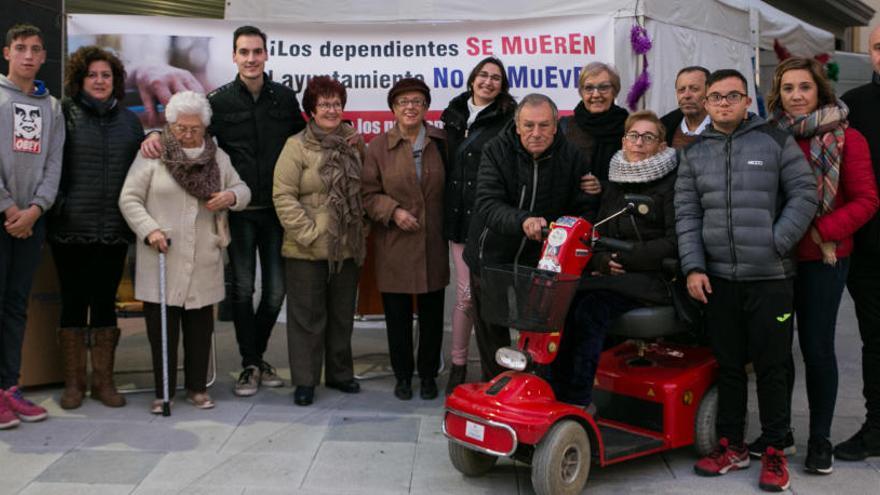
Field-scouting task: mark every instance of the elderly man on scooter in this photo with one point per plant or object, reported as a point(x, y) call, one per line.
point(529, 176)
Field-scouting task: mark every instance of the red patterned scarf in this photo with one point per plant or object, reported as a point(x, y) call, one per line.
point(825, 127)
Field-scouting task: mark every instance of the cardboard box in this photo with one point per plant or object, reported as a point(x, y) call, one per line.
point(41, 355)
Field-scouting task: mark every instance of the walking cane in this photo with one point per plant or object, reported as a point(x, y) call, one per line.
point(166, 404)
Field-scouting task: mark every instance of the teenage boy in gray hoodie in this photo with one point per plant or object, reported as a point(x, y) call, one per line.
point(31, 143)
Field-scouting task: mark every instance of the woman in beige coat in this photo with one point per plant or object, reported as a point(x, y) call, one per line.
point(317, 196)
point(182, 196)
point(403, 195)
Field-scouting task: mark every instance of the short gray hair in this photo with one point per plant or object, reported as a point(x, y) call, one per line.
point(594, 69)
point(534, 100)
point(188, 103)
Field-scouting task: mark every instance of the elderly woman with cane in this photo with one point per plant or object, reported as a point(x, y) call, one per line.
point(182, 195)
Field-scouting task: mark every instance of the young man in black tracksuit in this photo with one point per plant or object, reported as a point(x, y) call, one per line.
point(744, 197)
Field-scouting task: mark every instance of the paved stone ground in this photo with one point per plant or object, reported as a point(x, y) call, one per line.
point(368, 443)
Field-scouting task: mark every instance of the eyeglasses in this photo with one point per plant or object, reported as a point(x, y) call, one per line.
point(415, 102)
point(601, 88)
point(647, 137)
point(491, 77)
point(330, 106)
point(183, 130)
point(732, 98)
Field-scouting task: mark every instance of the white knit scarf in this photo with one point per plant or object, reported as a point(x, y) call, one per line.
point(647, 170)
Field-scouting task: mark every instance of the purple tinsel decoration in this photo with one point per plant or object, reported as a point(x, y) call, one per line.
point(638, 89)
point(641, 43)
point(638, 38)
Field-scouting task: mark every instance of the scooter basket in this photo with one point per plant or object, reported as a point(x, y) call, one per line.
point(525, 298)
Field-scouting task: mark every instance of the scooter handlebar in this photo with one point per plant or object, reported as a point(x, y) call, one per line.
point(614, 244)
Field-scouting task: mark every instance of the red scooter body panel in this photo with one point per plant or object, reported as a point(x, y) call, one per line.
point(525, 403)
point(676, 381)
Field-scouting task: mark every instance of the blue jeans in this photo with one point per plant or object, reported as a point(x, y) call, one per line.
point(19, 259)
point(818, 289)
point(255, 231)
point(589, 318)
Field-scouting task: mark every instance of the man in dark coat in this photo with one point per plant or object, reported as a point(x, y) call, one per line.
point(864, 272)
point(685, 123)
point(744, 197)
point(529, 176)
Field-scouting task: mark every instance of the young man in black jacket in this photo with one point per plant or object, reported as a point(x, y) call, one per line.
point(744, 197)
point(529, 176)
point(252, 119)
point(864, 272)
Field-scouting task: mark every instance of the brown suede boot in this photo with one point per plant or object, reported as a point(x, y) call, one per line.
point(73, 354)
point(103, 353)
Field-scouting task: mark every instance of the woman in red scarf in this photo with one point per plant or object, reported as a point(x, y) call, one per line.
point(803, 103)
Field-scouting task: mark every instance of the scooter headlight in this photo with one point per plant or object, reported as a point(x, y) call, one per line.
point(511, 359)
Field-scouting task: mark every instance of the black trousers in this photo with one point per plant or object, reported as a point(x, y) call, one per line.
point(591, 314)
point(197, 326)
point(490, 337)
point(752, 321)
point(864, 287)
point(89, 276)
point(398, 320)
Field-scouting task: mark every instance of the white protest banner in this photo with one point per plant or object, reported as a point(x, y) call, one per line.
point(543, 55)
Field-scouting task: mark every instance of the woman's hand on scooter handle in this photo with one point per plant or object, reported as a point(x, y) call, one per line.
point(698, 286)
point(615, 268)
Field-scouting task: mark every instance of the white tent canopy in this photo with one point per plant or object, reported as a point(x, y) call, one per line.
point(798, 37)
point(712, 33)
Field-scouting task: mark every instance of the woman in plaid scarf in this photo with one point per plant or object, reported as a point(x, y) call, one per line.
point(803, 103)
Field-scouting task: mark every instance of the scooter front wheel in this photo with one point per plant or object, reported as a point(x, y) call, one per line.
point(470, 462)
point(561, 463)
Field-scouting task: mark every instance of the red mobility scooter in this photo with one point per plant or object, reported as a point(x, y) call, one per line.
point(650, 395)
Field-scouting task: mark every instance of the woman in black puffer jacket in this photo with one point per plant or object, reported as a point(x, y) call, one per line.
point(471, 120)
point(88, 235)
point(621, 281)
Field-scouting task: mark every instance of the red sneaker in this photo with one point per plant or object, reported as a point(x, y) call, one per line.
point(774, 471)
point(723, 459)
point(23, 408)
point(8, 419)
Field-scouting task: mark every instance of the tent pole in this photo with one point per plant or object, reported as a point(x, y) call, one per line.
point(640, 65)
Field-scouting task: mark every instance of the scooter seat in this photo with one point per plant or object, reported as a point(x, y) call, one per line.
point(648, 323)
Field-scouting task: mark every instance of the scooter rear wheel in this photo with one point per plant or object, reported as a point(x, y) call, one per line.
point(705, 437)
point(705, 434)
point(561, 463)
point(470, 462)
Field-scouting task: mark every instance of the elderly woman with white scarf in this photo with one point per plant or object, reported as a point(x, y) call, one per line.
point(622, 281)
point(182, 196)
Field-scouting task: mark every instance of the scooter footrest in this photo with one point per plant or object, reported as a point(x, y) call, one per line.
point(621, 443)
